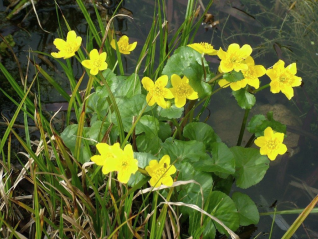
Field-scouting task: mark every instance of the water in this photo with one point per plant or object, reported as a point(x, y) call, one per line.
point(268, 26)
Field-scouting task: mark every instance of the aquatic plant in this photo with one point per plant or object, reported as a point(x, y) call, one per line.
point(168, 163)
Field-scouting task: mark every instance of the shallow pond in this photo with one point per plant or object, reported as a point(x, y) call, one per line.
point(275, 30)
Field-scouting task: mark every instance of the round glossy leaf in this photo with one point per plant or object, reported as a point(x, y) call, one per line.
point(250, 166)
point(246, 208)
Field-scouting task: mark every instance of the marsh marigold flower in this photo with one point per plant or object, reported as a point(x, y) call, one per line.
point(67, 48)
point(123, 45)
point(108, 155)
point(204, 47)
point(283, 79)
point(157, 91)
point(160, 172)
point(234, 58)
point(250, 76)
point(182, 90)
point(96, 63)
point(271, 144)
point(113, 158)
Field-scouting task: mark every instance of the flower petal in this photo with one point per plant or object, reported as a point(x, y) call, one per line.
point(175, 80)
point(180, 101)
point(132, 46)
point(167, 181)
point(98, 159)
point(147, 83)
point(103, 148)
point(94, 55)
point(150, 99)
point(87, 64)
point(71, 36)
point(167, 93)
point(162, 81)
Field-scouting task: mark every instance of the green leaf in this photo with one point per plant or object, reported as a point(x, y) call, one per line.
point(190, 193)
point(190, 151)
point(195, 74)
point(164, 131)
point(69, 138)
point(201, 132)
point(148, 143)
point(233, 76)
point(128, 108)
point(98, 130)
point(250, 166)
point(222, 207)
point(246, 208)
point(130, 87)
point(171, 113)
point(259, 123)
point(222, 161)
point(181, 59)
point(147, 124)
point(244, 99)
point(113, 82)
point(143, 161)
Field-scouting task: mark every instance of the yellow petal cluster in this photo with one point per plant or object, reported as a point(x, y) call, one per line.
point(67, 48)
point(182, 90)
point(250, 76)
point(204, 47)
point(123, 45)
point(160, 172)
point(283, 79)
point(234, 58)
point(97, 62)
point(157, 91)
point(113, 158)
point(271, 144)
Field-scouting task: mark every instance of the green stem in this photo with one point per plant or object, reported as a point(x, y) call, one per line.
point(239, 141)
point(133, 126)
point(215, 78)
point(261, 88)
point(250, 141)
point(115, 107)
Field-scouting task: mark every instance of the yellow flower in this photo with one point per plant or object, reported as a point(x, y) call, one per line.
point(67, 48)
point(234, 58)
point(250, 76)
point(182, 90)
point(96, 62)
point(108, 155)
point(157, 91)
point(123, 45)
point(113, 158)
point(126, 165)
point(283, 79)
point(203, 47)
point(271, 143)
point(160, 172)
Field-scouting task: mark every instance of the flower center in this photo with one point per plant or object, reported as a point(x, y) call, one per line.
point(272, 144)
point(124, 46)
point(158, 91)
point(97, 63)
point(124, 164)
point(70, 48)
point(160, 172)
point(284, 79)
point(206, 45)
point(182, 90)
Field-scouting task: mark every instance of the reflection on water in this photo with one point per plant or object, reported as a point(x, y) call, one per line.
point(275, 30)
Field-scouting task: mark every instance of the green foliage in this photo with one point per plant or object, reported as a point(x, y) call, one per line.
point(259, 123)
point(233, 76)
point(250, 166)
point(244, 99)
point(246, 208)
point(114, 109)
